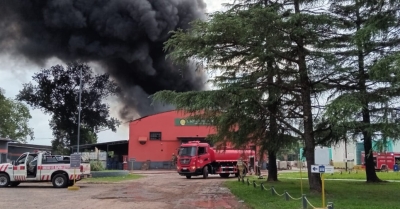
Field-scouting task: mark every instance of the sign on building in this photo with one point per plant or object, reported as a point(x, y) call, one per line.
point(190, 122)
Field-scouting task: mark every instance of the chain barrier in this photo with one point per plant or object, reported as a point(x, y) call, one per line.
point(303, 198)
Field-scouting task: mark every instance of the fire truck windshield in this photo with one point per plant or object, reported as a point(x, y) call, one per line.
point(187, 151)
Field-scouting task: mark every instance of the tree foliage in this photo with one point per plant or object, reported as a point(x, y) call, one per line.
point(366, 43)
point(273, 49)
point(14, 119)
point(57, 93)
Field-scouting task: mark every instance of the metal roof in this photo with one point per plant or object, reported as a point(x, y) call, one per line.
point(138, 119)
point(102, 143)
point(31, 146)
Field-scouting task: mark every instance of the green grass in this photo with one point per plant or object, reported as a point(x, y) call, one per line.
point(112, 179)
point(344, 194)
point(345, 175)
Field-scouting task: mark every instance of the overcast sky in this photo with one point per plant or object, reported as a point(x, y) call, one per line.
point(15, 71)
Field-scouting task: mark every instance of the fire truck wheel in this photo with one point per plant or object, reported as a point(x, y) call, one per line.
point(4, 180)
point(14, 184)
point(60, 181)
point(188, 177)
point(205, 172)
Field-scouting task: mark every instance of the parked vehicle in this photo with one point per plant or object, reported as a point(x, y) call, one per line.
point(382, 160)
point(42, 167)
point(195, 158)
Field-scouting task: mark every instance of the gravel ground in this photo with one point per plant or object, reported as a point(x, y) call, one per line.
point(155, 191)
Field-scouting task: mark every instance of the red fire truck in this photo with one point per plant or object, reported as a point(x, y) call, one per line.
point(196, 158)
point(383, 160)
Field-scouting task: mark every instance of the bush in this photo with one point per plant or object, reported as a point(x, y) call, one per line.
point(96, 166)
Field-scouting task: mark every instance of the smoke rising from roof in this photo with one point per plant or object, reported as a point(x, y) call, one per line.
point(125, 36)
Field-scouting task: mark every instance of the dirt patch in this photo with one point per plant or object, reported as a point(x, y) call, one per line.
point(155, 191)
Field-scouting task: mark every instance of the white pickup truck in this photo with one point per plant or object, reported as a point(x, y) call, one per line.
point(42, 167)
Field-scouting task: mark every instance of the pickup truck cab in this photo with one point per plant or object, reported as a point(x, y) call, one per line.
point(42, 167)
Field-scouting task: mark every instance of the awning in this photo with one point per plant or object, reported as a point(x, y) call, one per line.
point(142, 139)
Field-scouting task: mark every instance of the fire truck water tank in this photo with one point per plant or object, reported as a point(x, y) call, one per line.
point(230, 155)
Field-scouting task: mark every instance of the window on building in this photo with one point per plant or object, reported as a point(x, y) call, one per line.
point(155, 135)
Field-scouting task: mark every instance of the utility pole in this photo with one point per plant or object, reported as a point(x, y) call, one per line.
point(79, 108)
point(345, 153)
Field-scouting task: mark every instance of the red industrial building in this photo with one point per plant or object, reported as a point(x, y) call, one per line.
point(154, 138)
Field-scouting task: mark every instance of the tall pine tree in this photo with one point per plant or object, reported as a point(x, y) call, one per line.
point(279, 41)
point(366, 44)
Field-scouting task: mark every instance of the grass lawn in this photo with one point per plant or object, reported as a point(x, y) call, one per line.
point(112, 179)
point(345, 175)
point(344, 194)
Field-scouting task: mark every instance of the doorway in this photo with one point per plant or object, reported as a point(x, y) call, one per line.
point(252, 163)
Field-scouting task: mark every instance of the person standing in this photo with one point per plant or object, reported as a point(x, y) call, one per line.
point(174, 160)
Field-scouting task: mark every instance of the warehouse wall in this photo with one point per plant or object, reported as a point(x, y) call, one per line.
point(159, 151)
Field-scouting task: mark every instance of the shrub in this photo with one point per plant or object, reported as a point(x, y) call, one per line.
point(96, 166)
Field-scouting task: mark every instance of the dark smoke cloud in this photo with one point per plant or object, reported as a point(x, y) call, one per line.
point(125, 36)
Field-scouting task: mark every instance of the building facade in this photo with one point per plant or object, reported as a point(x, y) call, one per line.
point(10, 150)
point(351, 152)
point(154, 138)
point(16, 149)
point(113, 154)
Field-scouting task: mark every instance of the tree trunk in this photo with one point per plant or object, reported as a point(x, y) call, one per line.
point(369, 161)
point(272, 168)
point(314, 180)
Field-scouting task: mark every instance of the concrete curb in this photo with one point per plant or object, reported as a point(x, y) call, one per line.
point(396, 181)
point(96, 174)
point(151, 172)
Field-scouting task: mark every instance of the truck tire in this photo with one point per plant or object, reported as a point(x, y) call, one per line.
point(60, 181)
point(14, 184)
point(4, 180)
point(205, 172)
point(188, 176)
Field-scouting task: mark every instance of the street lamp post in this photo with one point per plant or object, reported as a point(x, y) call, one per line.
point(79, 109)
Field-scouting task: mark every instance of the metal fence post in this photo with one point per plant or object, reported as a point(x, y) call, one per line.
point(286, 196)
point(262, 186)
point(330, 205)
point(304, 201)
point(272, 190)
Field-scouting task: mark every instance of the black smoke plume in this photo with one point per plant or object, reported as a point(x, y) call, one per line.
point(125, 36)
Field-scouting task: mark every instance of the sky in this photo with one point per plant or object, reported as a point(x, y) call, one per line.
point(15, 72)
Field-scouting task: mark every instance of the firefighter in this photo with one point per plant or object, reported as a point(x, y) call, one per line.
point(173, 160)
point(240, 167)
